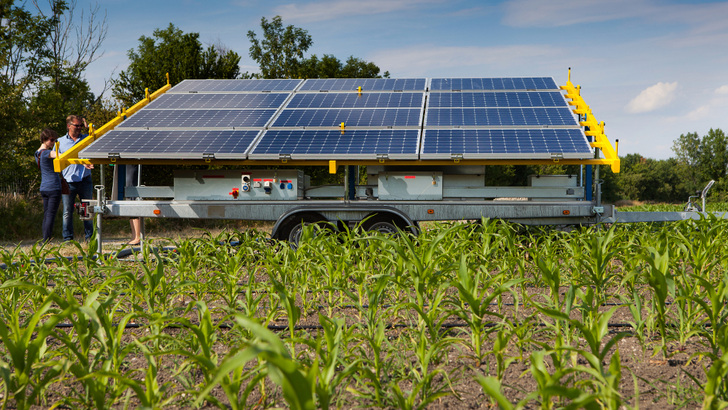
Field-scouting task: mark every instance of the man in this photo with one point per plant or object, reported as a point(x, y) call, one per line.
point(77, 176)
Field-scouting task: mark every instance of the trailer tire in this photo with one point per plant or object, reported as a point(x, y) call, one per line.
point(384, 224)
point(293, 227)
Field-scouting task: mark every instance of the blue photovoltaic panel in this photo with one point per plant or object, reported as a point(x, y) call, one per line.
point(208, 101)
point(479, 143)
point(350, 117)
point(505, 99)
point(331, 144)
point(498, 117)
point(504, 83)
point(171, 144)
point(367, 84)
point(200, 119)
point(355, 100)
point(234, 85)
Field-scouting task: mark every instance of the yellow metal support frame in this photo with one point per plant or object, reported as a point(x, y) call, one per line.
point(573, 93)
point(70, 156)
point(596, 129)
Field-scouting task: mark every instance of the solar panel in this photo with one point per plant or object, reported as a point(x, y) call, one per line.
point(208, 101)
point(498, 117)
point(367, 84)
point(517, 83)
point(199, 119)
point(188, 86)
point(505, 99)
point(333, 144)
point(350, 117)
point(523, 117)
point(171, 144)
point(354, 100)
point(508, 143)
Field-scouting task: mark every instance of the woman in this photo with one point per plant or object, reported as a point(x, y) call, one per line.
point(50, 182)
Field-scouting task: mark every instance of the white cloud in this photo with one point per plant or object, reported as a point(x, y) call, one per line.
point(423, 59)
point(722, 90)
point(334, 9)
point(652, 98)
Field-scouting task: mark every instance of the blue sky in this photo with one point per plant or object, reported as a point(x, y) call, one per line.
point(651, 70)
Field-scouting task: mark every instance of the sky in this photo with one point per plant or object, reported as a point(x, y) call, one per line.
point(650, 69)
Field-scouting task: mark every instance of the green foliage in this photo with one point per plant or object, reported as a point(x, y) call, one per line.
point(280, 52)
point(171, 51)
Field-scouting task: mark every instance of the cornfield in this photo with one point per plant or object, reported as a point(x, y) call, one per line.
point(463, 315)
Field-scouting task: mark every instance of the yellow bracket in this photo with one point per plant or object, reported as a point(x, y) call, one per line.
point(70, 156)
point(596, 129)
point(359, 89)
point(332, 167)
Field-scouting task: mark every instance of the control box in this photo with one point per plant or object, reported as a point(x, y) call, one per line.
point(238, 185)
point(419, 186)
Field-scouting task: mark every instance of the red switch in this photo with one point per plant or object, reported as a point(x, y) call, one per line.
point(235, 193)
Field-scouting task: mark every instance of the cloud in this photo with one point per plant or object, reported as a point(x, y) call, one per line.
point(334, 9)
point(425, 59)
point(722, 90)
point(652, 98)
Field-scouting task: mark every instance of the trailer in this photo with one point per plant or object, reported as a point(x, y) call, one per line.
point(425, 143)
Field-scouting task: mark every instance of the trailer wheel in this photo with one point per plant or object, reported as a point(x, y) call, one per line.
point(294, 227)
point(384, 224)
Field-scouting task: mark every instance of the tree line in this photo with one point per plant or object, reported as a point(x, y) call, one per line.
point(45, 52)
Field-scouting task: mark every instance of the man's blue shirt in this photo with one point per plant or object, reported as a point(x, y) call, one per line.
point(73, 172)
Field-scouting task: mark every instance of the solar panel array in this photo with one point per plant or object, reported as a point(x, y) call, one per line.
point(358, 119)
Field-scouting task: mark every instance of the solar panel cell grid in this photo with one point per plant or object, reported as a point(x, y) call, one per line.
point(518, 83)
point(132, 144)
point(187, 86)
point(488, 117)
point(329, 142)
point(200, 119)
point(367, 84)
point(211, 101)
point(350, 117)
point(497, 99)
point(355, 100)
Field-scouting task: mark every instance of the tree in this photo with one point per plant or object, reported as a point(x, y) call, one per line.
point(42, 80)
point(177, 53)
point(702, 159)
point(280, 53)
point(330, 67)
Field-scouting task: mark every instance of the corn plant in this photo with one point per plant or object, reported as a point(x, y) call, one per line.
point(661, 281)
point(296, 384)
point(330, 366)
point(87, 346)
point(474, 300)
point(29, 367)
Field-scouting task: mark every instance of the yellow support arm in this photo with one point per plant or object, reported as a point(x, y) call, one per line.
point(70, 156)
point(596, 129)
